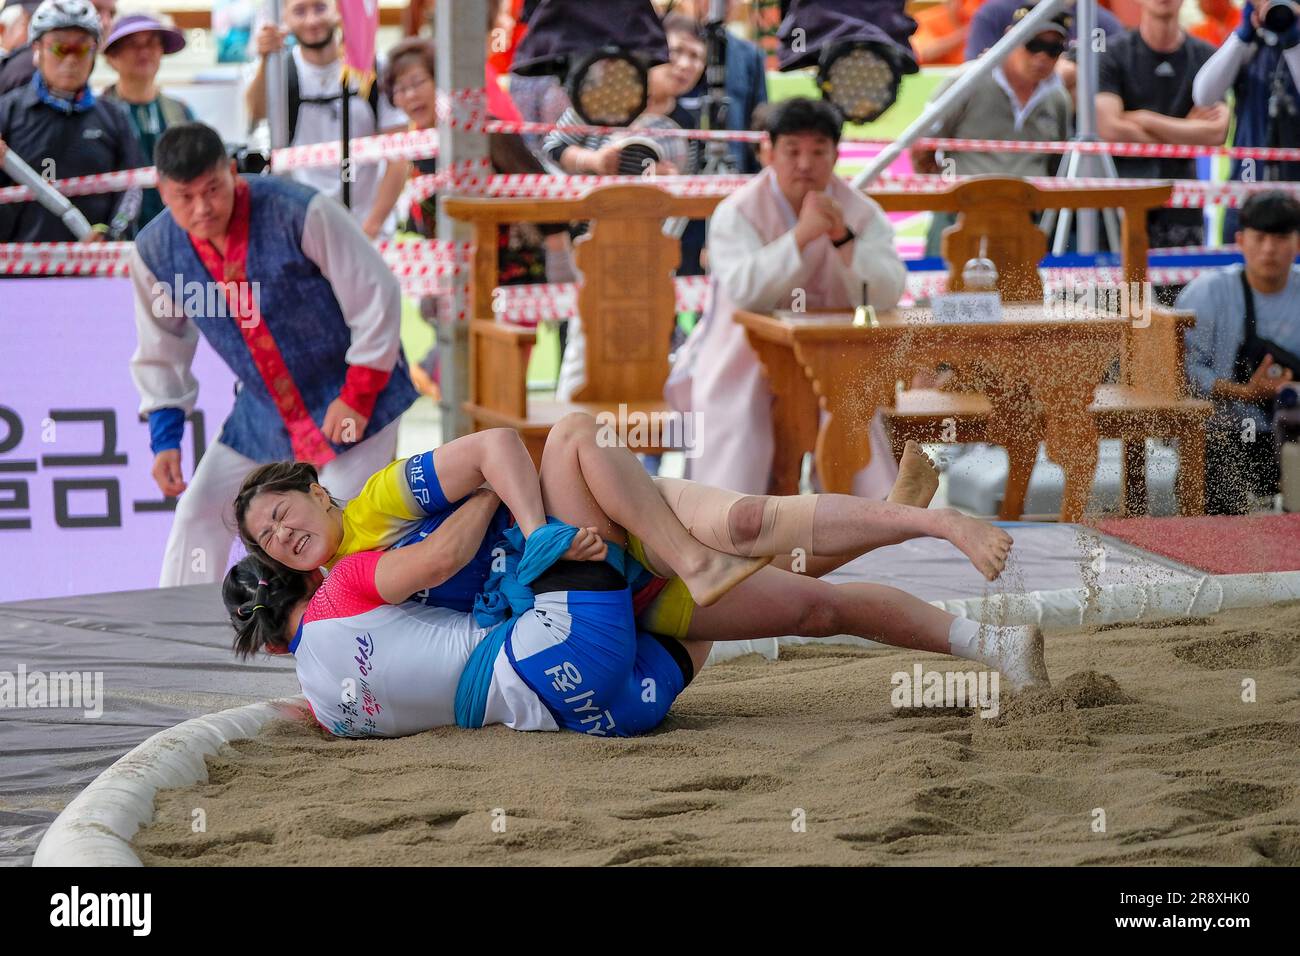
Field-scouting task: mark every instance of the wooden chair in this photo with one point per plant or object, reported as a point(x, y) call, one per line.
point(997, 209)
point(1152, 401)
point(627, 301)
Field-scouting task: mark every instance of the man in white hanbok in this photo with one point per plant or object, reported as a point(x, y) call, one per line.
point(795, 237)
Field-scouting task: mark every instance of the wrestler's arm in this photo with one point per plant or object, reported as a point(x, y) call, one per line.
point(426, 564)
point(432, 483)
point(496, 457)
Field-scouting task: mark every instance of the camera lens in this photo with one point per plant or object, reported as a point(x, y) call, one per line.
point(1279, 15)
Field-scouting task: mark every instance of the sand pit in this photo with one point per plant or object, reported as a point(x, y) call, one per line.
point(1145, 723)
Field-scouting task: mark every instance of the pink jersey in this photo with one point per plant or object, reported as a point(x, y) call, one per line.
point(373, 669)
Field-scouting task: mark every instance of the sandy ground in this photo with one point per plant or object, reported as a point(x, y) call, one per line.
point(1143, 752)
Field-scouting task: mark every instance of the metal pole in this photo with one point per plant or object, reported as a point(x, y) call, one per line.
point(976, 73)
point(1085, 112)
point(277, 88)
point(345, 167)
point(460, 57)
point(45, 194)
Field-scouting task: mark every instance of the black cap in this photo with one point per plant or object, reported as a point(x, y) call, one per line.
point(1062, 23)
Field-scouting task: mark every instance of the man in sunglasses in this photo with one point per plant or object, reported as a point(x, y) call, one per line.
point(18, 62)
point(1144, 95)
point(1026, 102)
point(58, 125)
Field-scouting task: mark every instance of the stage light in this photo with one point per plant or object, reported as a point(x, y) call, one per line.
point(860, 47)
point(608, 87)
point(587, 45)
point(860, 79)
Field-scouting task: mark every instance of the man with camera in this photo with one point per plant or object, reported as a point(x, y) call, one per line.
point(1260, 63)
point(1244, 348)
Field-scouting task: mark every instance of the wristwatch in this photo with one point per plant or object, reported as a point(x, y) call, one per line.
point(847, 238)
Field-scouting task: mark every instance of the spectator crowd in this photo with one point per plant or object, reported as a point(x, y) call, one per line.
point(1168, 72)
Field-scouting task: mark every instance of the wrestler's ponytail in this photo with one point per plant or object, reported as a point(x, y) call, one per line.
point(278, 476)
point(259, 600)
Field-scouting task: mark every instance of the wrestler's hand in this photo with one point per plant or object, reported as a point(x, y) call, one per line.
point(3, 149)
point(167, 472)
point(343, 424)
point(587, 545)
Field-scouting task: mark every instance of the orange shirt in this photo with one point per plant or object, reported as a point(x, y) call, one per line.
point(936, 23)
point(1214, 30)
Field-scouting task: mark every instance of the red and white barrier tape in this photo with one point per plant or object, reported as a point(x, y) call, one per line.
point(114, 182)
point(425, 268)
point(65, 258)
point(1144, 150)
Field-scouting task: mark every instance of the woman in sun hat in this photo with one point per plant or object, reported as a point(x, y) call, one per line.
point(135, 50)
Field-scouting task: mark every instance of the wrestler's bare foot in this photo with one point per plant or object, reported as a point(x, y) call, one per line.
point(986, 546)
point(1016, 653)
point(917, 480)
point(718, 573)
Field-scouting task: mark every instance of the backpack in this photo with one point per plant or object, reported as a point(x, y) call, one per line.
point(296, 99)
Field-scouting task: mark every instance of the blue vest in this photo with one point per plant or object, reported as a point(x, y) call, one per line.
point(299, 309)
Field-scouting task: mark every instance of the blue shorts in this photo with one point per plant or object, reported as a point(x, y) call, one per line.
point(580, 652)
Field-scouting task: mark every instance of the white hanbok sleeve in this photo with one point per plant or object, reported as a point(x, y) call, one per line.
point(368, 293)
point(165, 342)
point(754, 276)
point(875, 261)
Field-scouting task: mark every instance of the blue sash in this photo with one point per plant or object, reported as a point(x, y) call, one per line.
point(476, 678)
point(506, 595)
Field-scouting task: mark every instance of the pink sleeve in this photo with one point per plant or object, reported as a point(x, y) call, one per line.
point(349, 589)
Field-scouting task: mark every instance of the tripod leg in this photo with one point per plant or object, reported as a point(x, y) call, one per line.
point(1110, 215)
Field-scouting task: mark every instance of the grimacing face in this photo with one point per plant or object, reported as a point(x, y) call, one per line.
point(202, 206)
point(803, 162)
point(295, 528)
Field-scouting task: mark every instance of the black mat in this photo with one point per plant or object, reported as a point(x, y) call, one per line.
point(165, 657)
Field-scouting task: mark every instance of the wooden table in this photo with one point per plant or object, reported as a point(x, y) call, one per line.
point(1038, 370)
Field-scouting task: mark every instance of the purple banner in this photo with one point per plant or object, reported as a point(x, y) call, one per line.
point(79, 511)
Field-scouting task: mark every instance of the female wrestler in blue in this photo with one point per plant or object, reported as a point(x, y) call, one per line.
point(579, 476)
point(373, 664)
